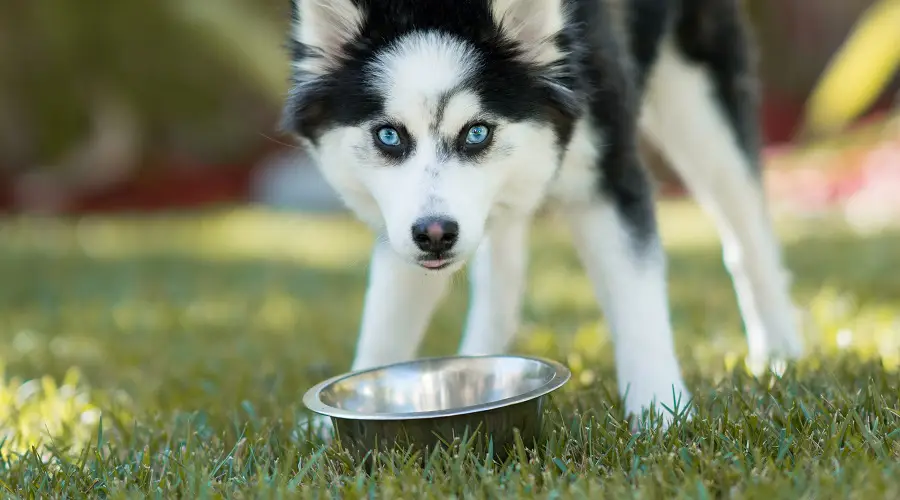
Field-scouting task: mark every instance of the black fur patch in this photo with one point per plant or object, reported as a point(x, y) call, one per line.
point(506, 86)
point(647, 23)
point(613, 102)
point(713, 33)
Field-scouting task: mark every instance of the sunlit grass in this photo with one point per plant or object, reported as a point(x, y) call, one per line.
point(322, 241)
point(168, 355)
point(38, 411)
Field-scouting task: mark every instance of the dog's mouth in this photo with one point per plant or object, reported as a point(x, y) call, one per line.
point(436, 262)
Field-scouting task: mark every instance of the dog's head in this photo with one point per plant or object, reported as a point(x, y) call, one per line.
point(432, 118)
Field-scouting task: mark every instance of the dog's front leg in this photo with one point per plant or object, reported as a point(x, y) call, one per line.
point(626, 265)
point(498, 282)
point(399, 303)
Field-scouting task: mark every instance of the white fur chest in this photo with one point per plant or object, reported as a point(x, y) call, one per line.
point(578, 176)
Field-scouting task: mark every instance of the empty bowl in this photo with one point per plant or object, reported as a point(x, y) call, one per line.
point(433, 400)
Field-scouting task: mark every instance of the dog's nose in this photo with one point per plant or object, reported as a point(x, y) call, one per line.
point(435, 234)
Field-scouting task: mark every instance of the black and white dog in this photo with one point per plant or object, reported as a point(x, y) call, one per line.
point(445, 124)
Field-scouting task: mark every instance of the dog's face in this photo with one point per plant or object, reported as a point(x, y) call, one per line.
point(433, 118)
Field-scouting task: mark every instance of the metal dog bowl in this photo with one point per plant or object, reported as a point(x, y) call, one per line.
point(429, 401)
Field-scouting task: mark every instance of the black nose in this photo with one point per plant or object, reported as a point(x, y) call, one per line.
point(435, 234)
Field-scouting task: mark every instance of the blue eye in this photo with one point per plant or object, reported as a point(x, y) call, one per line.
point(389, 136)
point(477, 134)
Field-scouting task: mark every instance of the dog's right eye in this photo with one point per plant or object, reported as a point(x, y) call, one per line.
point(389, 136)
point(390, 141)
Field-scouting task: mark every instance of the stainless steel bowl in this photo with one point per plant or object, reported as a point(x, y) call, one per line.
point(429, 401)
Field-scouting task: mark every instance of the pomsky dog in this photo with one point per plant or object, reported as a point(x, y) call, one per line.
point(446, 124)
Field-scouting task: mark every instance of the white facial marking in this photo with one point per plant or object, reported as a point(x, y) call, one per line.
point(417, 71)
point(422, 79)
point(458, 111)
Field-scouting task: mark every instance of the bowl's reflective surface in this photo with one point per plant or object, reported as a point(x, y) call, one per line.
point(431, 400)
point(437, 385)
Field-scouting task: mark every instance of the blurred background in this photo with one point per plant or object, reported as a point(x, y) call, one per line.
point(152, 104)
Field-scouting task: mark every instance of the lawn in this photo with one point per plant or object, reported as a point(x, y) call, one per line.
point(167, 357)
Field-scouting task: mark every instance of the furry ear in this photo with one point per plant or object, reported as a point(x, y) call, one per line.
point(533, 25)
point(322, 28)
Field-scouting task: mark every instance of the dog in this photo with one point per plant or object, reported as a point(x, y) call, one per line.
point(445, 125)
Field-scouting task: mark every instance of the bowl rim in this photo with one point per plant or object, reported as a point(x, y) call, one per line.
point(312, 397)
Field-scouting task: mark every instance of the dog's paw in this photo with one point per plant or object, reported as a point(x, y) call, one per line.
point(668, 401)
point(318, 427)
point(775, 339)
point(780, 349)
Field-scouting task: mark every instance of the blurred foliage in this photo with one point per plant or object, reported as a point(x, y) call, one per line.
point(185, 89)
point(34, 409)
point(796, 38)
point(244, 38)
point(859, 71)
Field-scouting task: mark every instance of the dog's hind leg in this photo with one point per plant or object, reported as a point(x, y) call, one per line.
point(700, 114)
point(497, 280)
point(399, 303)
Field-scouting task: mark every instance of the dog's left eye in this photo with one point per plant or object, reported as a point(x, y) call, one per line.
point(389, 136)
point(475, 139)
point(477, 134)
point(394, 142)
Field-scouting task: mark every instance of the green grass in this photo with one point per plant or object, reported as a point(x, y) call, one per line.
point(167, 357)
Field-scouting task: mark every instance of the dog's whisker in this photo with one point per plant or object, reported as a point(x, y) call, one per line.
point(280, 143)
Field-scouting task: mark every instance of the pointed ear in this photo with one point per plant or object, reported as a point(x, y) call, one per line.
point(533, 25)
point(322, 28)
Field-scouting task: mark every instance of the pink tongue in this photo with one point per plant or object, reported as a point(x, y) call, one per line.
point(433, 263)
